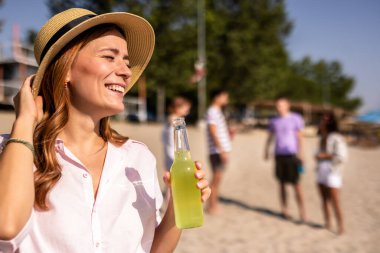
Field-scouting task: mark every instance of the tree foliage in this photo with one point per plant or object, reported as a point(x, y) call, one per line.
point(246, 51)
point(321, 82)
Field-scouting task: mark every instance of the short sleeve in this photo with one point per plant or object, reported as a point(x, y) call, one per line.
point(300, 124)
point(271, 125)
point(168, 140)
point(339, 150)
point(212, 117)
point(12, 245)
point(170, 143)
point(3, 140)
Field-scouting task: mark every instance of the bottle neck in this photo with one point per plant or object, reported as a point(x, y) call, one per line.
point(181, 142)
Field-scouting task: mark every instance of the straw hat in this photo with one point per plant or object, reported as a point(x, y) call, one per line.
point(65, 26)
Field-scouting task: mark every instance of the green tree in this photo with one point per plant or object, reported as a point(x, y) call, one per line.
point(30, 36)
point(245, 50)
point(321, 82)
point(97, 6)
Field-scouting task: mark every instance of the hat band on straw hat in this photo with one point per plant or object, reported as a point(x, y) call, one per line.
point(62, 31)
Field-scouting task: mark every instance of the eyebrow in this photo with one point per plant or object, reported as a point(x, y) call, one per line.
point(115, 51)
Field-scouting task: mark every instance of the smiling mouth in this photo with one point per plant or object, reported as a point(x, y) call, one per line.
point(116, 88)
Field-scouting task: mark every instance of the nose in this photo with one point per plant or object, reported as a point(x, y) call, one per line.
point(123, 70)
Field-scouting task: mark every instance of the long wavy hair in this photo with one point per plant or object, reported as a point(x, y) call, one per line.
point(56, 115)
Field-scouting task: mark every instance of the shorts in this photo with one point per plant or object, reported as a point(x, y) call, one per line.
point(286, 169)
point(216, 162)
point(327, 177)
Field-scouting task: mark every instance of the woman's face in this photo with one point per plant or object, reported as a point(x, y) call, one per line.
point(100, 75)
point(183, 110)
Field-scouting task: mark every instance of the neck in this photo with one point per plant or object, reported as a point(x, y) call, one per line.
point(81, 132)
point(284, 114)
point(216, 105)
point(174, 115)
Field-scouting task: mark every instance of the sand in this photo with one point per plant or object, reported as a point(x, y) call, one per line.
point(250, 221)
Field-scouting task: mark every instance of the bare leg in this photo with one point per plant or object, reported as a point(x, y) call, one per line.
point(335, 200)
point(325, 198)
point(283, 199)
point(213, 207)
point(300, 202)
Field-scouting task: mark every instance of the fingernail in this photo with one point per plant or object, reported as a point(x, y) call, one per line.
point(198, 174)
point(199, 184)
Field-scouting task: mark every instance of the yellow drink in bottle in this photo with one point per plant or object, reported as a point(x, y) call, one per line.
point(186, 196)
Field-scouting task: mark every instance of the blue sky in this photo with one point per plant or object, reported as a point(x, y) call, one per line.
point(343, 30)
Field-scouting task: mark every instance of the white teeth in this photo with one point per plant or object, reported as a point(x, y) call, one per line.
point(115, 87)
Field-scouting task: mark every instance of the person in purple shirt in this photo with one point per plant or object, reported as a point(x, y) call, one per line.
point(286, 129)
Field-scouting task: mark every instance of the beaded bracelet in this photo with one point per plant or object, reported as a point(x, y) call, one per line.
point(21, 141)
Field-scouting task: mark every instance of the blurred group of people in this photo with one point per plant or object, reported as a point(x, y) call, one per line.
point(286, 131)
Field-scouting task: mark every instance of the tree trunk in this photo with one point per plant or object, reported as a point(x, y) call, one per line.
point(160, 103)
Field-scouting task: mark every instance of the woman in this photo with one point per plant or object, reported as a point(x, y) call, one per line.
point(68, 181)
point(330, 158)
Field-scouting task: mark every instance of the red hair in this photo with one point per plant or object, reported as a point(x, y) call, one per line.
point(56, 115)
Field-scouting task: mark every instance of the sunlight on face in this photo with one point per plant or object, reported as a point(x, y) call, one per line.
point(282, 106)
point(100, 75)
point(183, 110)
point(223, 99)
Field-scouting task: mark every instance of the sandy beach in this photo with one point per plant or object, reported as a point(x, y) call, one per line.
point(250, 221)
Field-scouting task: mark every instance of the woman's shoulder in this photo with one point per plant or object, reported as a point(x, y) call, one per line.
point(136, 146)
point(336, 136)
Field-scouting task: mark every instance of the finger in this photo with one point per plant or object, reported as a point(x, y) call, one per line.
point(198, 165)
point(202, 184)
point(166, 178)
point(206, 194)
point(200, 174)
point(28, 82)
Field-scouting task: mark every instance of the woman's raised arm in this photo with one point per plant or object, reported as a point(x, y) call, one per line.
point(16, 165)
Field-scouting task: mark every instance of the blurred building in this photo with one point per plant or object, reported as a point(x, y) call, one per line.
point(16, 63)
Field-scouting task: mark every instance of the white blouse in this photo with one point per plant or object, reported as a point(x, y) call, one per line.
point(123, 217)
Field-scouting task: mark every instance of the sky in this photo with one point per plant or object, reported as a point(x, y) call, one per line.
point(343, 30)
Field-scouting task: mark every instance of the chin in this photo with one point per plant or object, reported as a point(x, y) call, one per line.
point(115, 109)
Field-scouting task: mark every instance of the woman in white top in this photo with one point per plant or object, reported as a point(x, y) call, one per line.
point(330, 161)
point(68, 181)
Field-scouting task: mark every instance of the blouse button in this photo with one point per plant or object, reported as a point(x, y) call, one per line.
point(97, 244)
point(85, 175)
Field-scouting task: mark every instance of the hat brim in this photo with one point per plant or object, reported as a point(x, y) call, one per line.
point(138, 32)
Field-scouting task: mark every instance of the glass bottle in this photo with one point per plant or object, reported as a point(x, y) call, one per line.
point(186, 196)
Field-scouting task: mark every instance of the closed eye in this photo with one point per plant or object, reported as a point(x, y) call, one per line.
point(108, 57)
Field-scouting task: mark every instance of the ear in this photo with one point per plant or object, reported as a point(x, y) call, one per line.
point(68, 77)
